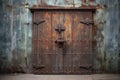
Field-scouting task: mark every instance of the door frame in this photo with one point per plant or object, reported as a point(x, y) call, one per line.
point(32, 9)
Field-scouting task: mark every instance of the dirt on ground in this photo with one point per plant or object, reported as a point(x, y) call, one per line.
point(59, 77)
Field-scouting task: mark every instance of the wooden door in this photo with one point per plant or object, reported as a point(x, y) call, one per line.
point(73, 55)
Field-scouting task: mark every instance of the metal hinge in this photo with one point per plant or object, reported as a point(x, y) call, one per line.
point(86, 66)
point(38, 66)
point(38, 22)
point(87, 21)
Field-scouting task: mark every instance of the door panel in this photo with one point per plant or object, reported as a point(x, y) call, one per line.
point(75, 56)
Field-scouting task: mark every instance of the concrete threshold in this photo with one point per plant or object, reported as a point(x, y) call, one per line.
point(60, 77)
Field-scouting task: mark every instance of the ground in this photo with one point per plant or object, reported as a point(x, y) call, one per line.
point(60, 77)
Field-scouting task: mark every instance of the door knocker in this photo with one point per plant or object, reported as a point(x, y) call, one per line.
point(60, 41)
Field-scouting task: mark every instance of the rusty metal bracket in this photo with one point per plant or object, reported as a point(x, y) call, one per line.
point(39, 67)
point(38, 22)
point(86, 67)
point(87, 21)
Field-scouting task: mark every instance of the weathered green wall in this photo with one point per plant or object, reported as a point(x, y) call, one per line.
point(108, 25)
point(16, 33)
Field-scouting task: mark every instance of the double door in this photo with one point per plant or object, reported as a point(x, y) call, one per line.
point(62, 42)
